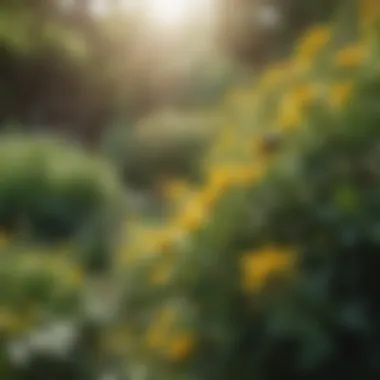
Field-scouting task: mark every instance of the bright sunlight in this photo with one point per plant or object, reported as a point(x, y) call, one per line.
point(175, 13)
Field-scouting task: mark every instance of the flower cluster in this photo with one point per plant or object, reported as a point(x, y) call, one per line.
point(194, 257)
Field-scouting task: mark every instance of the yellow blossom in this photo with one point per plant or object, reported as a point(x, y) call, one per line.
point(339, 93)
point(306, 92)
point(351, 56)
point(181, 345)
point(155, 337)
point(209, 194)
point(224, 176)
point(258, 265)
point(192, 215)
point(157, 334)
point(369, 11)
point(220, 176)
point(291, 107)
point(312, 42)
point(290, 113)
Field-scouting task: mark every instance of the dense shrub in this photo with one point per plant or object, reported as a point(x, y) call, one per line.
point(269, 270)
point(60, 211)
point(46, 327)
point(51, 191)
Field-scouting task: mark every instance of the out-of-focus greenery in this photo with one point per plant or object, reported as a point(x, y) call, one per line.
point(162, 146)
point(53, 191)
point(268, 271)
point(44, 179)
point(60, 213)
point(265, 268)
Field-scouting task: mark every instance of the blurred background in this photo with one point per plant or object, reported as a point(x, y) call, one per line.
point(189, 189)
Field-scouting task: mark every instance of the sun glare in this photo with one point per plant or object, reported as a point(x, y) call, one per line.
point(174, 12)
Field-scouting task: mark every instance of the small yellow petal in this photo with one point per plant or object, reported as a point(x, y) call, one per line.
point(312, 42)
point(351, 56)
point(257, 266)
point(192, 216)
point(369, 12)
point(181, 346)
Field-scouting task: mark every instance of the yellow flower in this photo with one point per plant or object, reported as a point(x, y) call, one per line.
point(369, 11)
point(155, 337)
point(181, 346)
point(305, 93)
point(257, 266)
point(192, 216)
point(340, 93)
point(157, 334)
point(210, 194)
point(224, 176)
point(220, 176)
point(312, 42)
point(290, 113)
point(350, 56)
point(291, 107)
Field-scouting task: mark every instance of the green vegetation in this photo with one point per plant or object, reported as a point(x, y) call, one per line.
point(262, 263)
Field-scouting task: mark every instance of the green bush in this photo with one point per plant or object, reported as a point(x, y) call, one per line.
point(51, 191)
point(327, 207)
point(45, 328)
point(279, 281)
point(162, 146)
point(60, 213)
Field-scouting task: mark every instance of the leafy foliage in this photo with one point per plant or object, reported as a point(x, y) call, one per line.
point(269, 269)
point(266, 268)
point(52, 191)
